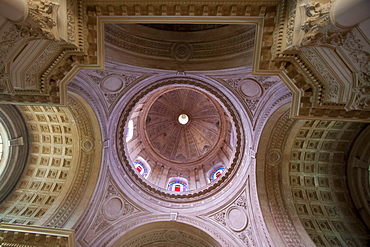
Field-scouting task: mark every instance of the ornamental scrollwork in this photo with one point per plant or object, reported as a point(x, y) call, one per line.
point(41, 20)
point(317, 19)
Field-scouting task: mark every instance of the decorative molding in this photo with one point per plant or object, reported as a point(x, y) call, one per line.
point(22, 236)
point(113, 208)
point(40, 62)
point(168, 238)
point(235, 218)
point(277, 206)
point(31, 74)
point(308, 100)
point(112, 83)
point(253, 10)
point(319, 92)
point(290, 24)
point(250, 88)
point(331, 92)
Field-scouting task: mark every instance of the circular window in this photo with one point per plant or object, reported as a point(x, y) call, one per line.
point(183, 119)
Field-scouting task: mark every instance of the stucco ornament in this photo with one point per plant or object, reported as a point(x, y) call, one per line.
point(317, 19)
point(41, 20)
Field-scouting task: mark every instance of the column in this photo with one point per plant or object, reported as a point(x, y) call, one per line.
point(14, 10)
point(348, 13)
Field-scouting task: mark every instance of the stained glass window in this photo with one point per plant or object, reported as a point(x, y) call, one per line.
point(217, 173)
point(177, 186)
point(140, 168)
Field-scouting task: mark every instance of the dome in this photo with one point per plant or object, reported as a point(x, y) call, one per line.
point(182, 137)
point(183, 125)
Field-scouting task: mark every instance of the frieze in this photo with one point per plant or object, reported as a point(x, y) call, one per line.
point(252, 104)
point(31, 74)
point(291, 13)
point(247, 237)
point(5, 85)
point(180, 51)
point(75, 23)
point(16, 235)
point(267, 10)
point(332, 87)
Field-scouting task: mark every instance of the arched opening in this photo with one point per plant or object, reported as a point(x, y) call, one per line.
point(177, 184)
point(130, 131)
point(215, 172)
point(142, 167)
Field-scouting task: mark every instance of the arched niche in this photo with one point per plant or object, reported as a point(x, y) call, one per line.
point(166, 233)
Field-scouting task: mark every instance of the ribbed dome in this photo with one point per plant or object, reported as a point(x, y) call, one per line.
point(182, 133)
point(182, 142)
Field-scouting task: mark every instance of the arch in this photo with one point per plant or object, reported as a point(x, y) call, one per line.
point(215, 172)
point(269, 201)
point(54, 169)
point(166, 233)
